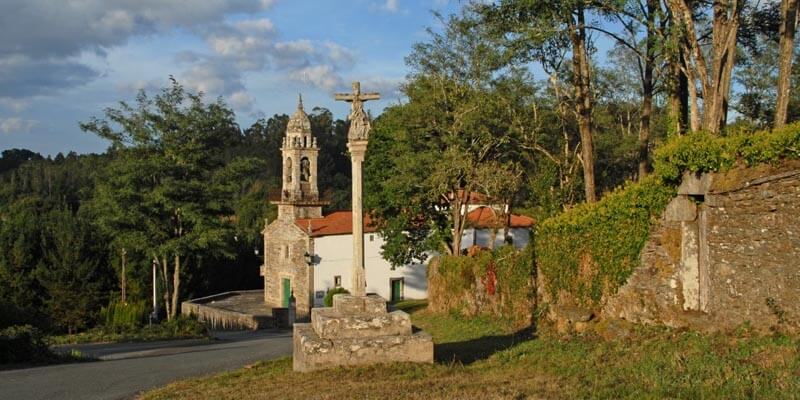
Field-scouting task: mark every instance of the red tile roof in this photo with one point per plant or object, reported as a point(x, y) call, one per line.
point(336, 223)
point(486, 217)
point(341, 222)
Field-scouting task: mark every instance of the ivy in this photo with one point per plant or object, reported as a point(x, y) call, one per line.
point(590, 250)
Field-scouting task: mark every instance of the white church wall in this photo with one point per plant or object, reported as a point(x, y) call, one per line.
point(482, 237)
point(334, 257)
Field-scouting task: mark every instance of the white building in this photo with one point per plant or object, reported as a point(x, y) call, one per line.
point(306, 253)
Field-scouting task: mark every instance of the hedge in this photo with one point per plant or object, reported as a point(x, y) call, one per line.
point(702, 152)
point(592, 249)
point(492, 283)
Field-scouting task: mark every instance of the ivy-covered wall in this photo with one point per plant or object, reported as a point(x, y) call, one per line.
point(496, 284)
point(587, 252)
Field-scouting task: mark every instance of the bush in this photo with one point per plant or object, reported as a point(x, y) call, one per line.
point(702, 152)
point(593, 248)
point(22, 343)
point(124, 316)
point(492, 283)
point(328, 300)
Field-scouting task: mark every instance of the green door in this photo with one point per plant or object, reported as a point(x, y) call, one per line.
point(287, 291)
point(397, 290)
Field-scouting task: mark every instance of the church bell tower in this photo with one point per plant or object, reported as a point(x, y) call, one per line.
point(299, 192)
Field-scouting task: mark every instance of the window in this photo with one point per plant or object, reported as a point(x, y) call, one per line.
point(286, 252)
point(371, 238)
point(337, 281)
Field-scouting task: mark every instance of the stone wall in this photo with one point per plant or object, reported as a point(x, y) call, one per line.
point(285, 246)
point(725, 253)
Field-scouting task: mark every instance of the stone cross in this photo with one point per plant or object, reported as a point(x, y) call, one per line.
point(359, 120)
point(357, 138)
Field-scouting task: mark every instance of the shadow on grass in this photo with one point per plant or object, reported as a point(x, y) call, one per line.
point(469, 351)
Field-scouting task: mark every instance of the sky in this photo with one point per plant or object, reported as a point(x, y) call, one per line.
point(65, 61)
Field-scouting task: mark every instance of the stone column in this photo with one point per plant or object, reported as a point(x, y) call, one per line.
point(358, 148)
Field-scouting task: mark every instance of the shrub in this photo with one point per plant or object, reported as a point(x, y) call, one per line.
point(702, 152)
point(22, 343)
point(492, 283)
point(124, 316)
point(328, 300)
point(593, 248)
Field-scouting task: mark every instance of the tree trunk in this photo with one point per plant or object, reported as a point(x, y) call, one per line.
point(789, 9)
point(716, 85)
point(123, 277)
point(647, 90)
point(167, 293)
point(583, 102)
point(678, 97)
point(176, 285)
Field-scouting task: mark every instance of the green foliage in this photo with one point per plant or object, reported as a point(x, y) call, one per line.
point(181, 327)
point(120, 316)
point(591, 249)
point(495, 283)
point(702, 152)
point(22, 343)
point(328, 300)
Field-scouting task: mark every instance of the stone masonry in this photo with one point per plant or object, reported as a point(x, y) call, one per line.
point(358, 331)
point(725, 253)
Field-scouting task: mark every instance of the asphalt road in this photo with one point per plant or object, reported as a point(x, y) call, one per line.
point(127, 369)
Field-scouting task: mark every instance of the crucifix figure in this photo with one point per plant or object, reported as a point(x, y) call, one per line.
point(357, 144)
point(359, 120)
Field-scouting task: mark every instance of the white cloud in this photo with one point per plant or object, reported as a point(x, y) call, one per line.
point(241, 100)
point(42, 39)
point(16, 125)
point(14, 105)
point(321, 76)
point(391, 6)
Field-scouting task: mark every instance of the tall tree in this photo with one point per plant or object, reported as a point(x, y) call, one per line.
point(172, 194)
point(715, 81)
point(429, 156)
point(789, 18)
point(531, 29)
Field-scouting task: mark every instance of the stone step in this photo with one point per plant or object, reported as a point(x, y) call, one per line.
point(330, 323)
point(312, 352)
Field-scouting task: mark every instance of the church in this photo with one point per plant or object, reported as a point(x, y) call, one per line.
point(307, 253)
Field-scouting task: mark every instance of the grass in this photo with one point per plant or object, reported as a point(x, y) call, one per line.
point(180, 328)
point(481, 360)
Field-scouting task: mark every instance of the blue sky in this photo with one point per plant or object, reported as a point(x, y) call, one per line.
point(63, 62)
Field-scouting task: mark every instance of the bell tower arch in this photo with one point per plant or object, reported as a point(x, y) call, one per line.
point(299, 191)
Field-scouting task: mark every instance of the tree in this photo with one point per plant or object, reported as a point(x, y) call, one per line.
point(169, 194)
point(532, 30)
point(428, 156)
point(789, 18)
point(715, 82)
point(72, 270)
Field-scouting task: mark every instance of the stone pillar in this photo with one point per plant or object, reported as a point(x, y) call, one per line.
point(358, 149)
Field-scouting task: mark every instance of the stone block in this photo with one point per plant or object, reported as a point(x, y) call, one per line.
point(329, 323)
point(680, 209)
point(311, 352)
point(692, 184)
point(348, 304)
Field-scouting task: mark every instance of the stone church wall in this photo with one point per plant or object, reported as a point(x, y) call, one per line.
point(285, 246)
point(725, 253)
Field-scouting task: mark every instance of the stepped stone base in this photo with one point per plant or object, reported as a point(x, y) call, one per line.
point(358, 331)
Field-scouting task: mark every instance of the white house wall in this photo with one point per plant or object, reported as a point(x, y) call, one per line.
point(482, 237)
point(335, 257)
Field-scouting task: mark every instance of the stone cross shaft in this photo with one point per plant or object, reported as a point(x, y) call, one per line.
point(357, 138)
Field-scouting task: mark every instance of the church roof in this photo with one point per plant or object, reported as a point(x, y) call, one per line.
point(486, 217)
point(341, 222)
point(336, 223)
